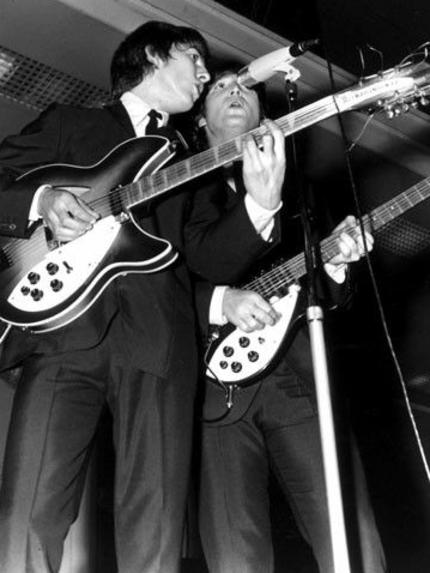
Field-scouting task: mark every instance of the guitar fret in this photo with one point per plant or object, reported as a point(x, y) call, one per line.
point(229, 151)
point(408, 200)
point(398, 205)
point(181, 170)
point(162, 179)
point(204, 162)
point(130, 191)
point(306, 116)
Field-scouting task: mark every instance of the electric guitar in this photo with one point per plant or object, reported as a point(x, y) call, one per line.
point(238, 358)
point(45, 285)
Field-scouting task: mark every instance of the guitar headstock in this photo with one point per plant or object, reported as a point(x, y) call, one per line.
point(393, 91)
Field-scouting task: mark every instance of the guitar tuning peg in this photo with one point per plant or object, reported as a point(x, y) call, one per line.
point(405, 107)
point(424, 101)
point(390, 112)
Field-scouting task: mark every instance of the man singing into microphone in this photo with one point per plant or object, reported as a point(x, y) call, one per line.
point(273, 426)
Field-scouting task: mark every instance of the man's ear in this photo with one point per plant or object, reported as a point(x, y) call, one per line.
point(152, 58)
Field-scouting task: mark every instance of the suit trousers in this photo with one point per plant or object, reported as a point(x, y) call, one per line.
point(280, 433)
point(56, 409)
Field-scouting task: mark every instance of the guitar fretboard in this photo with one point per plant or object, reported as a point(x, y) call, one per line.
point(288, 272)
point(214, 157)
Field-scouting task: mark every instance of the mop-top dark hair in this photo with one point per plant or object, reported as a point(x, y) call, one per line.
point(130, 63)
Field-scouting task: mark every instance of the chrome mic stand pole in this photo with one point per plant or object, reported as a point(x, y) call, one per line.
point(315, 317)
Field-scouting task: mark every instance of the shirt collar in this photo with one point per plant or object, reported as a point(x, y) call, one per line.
point(138, 110)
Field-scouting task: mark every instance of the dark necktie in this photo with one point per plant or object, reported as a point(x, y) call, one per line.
point(152, 125)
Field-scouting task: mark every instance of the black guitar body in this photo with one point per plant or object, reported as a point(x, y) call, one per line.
point(44, 286)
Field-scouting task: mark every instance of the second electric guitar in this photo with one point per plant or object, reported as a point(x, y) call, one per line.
point(238, 358)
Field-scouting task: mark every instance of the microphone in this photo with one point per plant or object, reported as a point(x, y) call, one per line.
point(266, 66)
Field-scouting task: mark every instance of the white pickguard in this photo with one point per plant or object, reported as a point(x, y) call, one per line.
point(242, 355)
point(64, 270)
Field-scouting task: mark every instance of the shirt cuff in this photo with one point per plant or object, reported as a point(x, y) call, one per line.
point(261, 218)
point(34, 214)
point(336, 272)
point(215, 308)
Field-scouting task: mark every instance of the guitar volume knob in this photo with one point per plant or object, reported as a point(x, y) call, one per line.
point(33, 278)
point(253, 356)
point(244, 341)
point(56, 285)
point(36, 294)
point(52, 268)
point(236, 366)
point(228, 351)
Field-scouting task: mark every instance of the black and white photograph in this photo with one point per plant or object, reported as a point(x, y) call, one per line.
point(214, 286)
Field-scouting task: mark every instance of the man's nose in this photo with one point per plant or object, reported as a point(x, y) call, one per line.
point(235, 88)
point(203, 75)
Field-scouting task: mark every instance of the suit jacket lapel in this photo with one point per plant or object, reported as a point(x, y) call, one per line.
point(238, 179)
point(119, 114)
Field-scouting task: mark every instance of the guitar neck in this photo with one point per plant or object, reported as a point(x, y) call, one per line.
point(365, 93)
point(274, 281)
point(183, 171)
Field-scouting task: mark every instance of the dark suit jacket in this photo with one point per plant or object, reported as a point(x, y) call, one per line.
point(244, 257)
point(330, 293)
point(151, 315)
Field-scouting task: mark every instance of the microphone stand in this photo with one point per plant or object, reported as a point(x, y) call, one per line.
point(314, 315)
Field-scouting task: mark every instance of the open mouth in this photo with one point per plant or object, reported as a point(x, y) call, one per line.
point(236, 104)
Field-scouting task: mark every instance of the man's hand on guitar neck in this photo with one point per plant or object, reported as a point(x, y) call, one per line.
point(66, 215)
point(264, 168)
point(350, 243)
point(248, 310)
